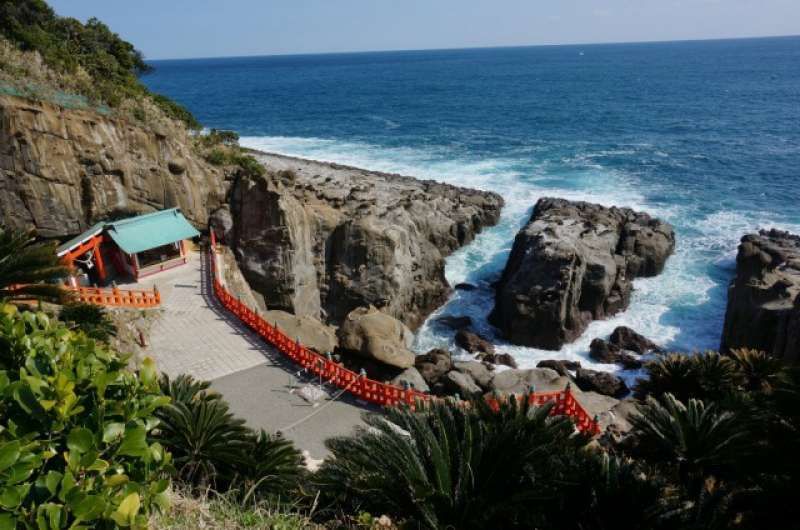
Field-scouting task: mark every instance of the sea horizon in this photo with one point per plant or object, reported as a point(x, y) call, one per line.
point(469, 48)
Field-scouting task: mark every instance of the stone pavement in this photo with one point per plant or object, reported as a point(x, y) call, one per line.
point(194, 335)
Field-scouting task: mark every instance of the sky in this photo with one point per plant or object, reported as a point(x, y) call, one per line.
point(165, 29)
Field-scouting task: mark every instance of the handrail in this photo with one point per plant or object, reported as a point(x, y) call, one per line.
point(359, 385)
point(115, 297)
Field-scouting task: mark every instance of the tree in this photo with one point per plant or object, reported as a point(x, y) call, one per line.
point(24, 265)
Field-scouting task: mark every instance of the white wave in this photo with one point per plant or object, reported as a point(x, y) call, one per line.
point(682, 308)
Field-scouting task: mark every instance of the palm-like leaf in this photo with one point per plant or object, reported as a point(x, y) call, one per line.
point(759, 370)
point(446, 466)
point(186, 389)
point(25, 264)
point(671, 373)
point(700, 440)
point(276, 465)
point(208, 444)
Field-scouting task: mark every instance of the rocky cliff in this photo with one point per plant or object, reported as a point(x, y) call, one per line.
point(763, 310)
point(320, 239)
point(61, 169)
point(573, 262)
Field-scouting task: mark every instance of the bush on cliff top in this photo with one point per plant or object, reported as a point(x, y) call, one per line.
point(69, 46)
point(74, 427)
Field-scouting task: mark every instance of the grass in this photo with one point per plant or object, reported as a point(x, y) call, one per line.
point(219, 511)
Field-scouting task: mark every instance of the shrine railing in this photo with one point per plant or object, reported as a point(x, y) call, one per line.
point(115, 297)
point(356, 384)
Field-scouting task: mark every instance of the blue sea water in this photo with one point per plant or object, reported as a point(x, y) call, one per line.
point(703, 134)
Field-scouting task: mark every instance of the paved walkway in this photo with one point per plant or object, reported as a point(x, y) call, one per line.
point(195, 335)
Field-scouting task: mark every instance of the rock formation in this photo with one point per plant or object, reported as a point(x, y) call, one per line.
point(322, 239)
point(61, 170)
point(572, 263)
point(374, 335)
point(763, 311)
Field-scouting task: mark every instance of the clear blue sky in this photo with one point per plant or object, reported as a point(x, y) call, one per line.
point(211, 28)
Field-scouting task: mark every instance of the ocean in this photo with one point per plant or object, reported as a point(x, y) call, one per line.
point(705, 135)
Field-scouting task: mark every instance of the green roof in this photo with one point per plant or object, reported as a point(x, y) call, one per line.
point(150, 230)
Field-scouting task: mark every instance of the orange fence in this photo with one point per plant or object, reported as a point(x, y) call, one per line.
point(358, 384)
point(115, 297)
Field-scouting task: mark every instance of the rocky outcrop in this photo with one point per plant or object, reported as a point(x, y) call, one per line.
point(561, 366)
point(62, 170)
point(572, 263)
point(608, 353)
point(624, 338)
point(472, 342)
point(522, 381)
point(374, 335)
point(603, 383)
point(622, 348)
point(411, 378)
point(324, 239)
point(433, 366)
point(763, 311)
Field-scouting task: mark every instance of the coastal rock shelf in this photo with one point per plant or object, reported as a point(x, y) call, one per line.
point(573, 262)
point(763, 310)
point(63, 169)
point(321, 240)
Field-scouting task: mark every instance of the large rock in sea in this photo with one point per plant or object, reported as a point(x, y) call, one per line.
point(371, 334)
point(763, 311)
point(573, 262)
point(322, 239)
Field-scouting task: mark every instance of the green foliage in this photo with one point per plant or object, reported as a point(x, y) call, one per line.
point(91, 319)
point(74, 425)
point(25, 265)
point(217, 137)
point(227, 156)
point(212, 448)
point(708, 375)
point(67, 45)
point(701, 439)
point(453, 466)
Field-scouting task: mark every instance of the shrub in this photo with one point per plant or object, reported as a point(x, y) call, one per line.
point(213, 448)
point(89, 318)
point(74, 423)
point(708, 375)
point(451, 466)
point(25, 265)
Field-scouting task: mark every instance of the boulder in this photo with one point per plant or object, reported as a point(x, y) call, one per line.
point(460, 383)
point(221, 223)
point(559, 366)
point(308, 330)
point(573, 262)
point(372, 334)
point(625, 338)
point(505, 359)
point(412, 378)
point(454, 322)
point(606, 352)
point(520, 381)
point(472, 342)
point(315, 237)
point(763, 311)
point(434, 365)
point(601, 382)
point(477, 371)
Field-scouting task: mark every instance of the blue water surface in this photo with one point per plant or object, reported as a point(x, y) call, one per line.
point(703, 134)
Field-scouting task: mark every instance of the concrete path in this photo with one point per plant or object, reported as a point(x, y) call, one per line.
point(194, 335)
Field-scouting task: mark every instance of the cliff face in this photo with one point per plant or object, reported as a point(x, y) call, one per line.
point(763, 310)
point(321, 239)
point(61, 170)
point(573, 262)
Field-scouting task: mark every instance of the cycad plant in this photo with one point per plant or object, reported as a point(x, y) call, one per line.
point(26, 265)
point(759, 370)
point(445, 467)
point(694, 439)
point(90, 318)
point(214, 449)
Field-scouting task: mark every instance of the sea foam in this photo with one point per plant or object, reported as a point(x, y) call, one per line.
point(681, 309)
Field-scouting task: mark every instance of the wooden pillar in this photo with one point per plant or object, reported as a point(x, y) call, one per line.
point(135, 263)
point(101, 267)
